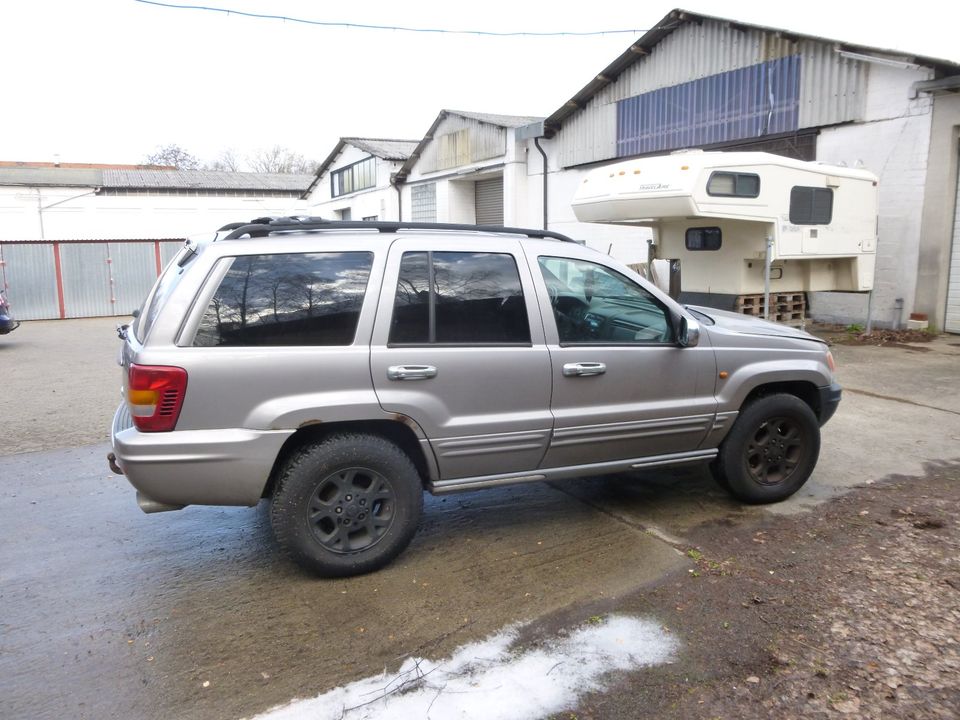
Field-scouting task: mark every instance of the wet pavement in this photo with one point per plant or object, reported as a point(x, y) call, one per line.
point(109, 613)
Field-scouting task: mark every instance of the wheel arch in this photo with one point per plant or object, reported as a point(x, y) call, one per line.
point(802, 389)
point(398, 431)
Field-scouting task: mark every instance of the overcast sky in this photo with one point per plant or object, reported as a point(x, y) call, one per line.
point(110, 80)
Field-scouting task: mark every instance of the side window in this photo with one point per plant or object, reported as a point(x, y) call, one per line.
point(287, 299)
point(728, 184)
point(703, 238)
point(593, 304)
point(811, 205)
point(459, 298)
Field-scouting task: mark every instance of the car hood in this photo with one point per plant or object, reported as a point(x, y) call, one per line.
point(748, 325)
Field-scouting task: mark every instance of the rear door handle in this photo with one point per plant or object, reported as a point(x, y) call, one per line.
point(411, 372)
point(584, 369)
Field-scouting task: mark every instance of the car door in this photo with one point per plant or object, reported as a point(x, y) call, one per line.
point(622, 387)
point(458, 347)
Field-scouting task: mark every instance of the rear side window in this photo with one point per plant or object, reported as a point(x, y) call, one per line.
point(287, 299)
point(811, 205)
point(459, 298)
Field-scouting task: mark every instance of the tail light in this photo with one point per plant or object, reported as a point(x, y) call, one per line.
point(155, 395)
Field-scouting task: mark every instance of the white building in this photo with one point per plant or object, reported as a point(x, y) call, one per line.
point(468, 168)
point(355, 180)
point(696, 81)
point(84, 240)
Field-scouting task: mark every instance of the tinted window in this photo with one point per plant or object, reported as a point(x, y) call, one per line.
point(811, 206)
point(704, 238)
point(290, 299)
point(459, 298)
point(593, 304)
point(727, 184)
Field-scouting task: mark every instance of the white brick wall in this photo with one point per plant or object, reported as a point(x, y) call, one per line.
point(894, 143)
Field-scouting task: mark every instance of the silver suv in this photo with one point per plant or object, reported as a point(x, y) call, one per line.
point(341, 368)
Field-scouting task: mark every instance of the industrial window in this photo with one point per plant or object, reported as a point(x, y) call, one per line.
point(811, 206)
point(370, 218)
point(703, 238)
point(287, 299)
point(728, 184)
point(423, 199)
point(358, 176)
point(459, 298)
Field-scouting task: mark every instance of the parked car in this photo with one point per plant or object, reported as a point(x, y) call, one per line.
point(7, 323)
point(341, 368)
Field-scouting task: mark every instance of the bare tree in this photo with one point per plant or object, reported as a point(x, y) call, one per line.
point(279, 159)
point(227, 161)
point(173, 155)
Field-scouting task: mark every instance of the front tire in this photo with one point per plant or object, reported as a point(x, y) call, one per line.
point(771, 450)
point(346, 505)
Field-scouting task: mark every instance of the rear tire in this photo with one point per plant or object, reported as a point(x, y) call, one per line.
point(346, 505)
point(771, 450)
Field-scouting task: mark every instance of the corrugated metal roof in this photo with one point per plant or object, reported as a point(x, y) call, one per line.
point(153, 179)
point(383, 148)
point(204, 180)
point(677, 18)
point(509, 121)
point(43, 177)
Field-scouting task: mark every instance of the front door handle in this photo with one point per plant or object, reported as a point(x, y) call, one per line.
point(584, 369)
point(411, 372)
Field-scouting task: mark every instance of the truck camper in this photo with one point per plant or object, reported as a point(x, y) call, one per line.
point(738, 226)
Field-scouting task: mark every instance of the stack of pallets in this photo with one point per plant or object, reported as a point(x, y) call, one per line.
point(786, 308)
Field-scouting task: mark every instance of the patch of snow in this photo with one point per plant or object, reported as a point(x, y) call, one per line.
point(490, 680)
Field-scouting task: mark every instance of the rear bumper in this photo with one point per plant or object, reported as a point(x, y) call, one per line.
point(829, 400)
point(196, 467)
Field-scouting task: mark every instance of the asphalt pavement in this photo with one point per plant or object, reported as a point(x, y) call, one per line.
point(109, 613)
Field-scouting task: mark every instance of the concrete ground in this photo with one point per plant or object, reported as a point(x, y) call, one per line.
point(109, 613)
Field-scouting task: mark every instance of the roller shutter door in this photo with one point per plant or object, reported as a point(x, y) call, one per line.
point(489, 201)
point(952, 323)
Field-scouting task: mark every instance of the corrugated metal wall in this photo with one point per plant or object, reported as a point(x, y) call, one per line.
point(95, 278)
point(461, 141)
point(832, 88)
point(30, 280)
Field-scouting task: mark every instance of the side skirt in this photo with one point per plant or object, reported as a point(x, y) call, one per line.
point(441, 487)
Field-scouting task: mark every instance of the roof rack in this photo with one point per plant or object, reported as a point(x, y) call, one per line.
point(262, 227)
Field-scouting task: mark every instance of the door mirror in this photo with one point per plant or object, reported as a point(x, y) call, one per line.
point(688, 334)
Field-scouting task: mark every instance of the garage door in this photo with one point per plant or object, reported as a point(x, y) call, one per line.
point(952, 324)
point(489, 201)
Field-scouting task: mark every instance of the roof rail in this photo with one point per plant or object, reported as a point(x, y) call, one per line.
point(261, 227)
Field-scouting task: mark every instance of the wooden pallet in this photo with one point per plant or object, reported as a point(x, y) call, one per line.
point(787, 308)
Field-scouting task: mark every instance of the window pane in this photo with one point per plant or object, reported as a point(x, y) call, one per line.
point(596, 305)
point(479, 299)
point(705, 238)
point(288, 299)
point(721, 184)
point(811, 206)
point(748, 185)
point(411, 304)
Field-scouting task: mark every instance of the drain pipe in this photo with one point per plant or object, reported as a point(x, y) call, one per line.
point(536, 141)
point(396, 186)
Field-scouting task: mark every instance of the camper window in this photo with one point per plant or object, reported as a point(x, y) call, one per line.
point(811, 206)
point(728, 184)
point(703, 238)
